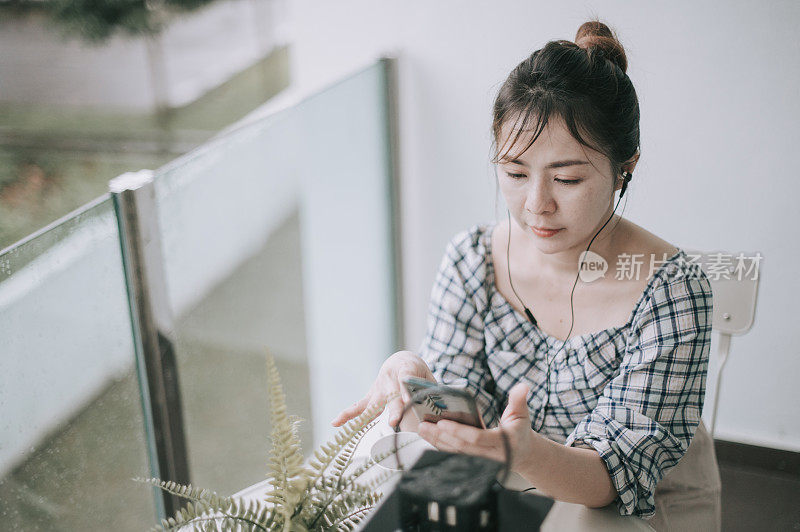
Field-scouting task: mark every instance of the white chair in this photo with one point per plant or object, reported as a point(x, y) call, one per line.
point(735, 286)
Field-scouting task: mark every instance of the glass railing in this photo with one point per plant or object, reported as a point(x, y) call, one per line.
point(277, 237)
point(71, 428)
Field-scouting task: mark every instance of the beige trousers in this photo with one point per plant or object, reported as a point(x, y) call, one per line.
point(688, 497)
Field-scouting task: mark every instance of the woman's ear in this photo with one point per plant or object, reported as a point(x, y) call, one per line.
point(628, 166)
point(620, 181)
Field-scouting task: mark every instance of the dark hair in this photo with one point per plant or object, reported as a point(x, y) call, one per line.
point(585, 84)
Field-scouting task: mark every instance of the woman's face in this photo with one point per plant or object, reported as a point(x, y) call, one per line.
point(557, 183)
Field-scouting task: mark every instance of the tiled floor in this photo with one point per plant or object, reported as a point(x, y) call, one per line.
point(755, 499)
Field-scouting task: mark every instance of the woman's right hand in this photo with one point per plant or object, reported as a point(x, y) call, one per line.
point(394, 371)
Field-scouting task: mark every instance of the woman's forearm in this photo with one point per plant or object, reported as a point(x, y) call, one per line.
point(570, 474)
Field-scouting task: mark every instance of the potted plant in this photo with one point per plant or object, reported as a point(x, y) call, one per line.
point(323, 494)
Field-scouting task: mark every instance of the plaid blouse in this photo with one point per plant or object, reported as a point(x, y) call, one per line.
point(633, 393)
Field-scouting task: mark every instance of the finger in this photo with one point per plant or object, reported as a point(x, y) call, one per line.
point(411, 372)
point(519, 392)
point(467, 434)
point(428, 432)
point(445, 440)
point(517, 407)
point(351, 412)
point(402, 376)
point(395, 410)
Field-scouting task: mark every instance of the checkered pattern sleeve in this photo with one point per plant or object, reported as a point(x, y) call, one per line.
point(453, 346)
point(647, 415)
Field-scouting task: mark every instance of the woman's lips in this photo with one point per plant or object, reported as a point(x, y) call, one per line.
point(544, 233)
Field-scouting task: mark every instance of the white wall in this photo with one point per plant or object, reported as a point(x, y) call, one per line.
point(717, 83)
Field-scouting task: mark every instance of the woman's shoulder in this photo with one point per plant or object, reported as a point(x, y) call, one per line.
point(635, 238)
point(644, 249)
point(467, 259)
point(674, 280)
point(675, 262)
point(472, 244)
point(676, 285)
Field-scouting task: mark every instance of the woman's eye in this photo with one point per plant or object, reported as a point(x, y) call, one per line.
point(562, 181)
point(515, 176)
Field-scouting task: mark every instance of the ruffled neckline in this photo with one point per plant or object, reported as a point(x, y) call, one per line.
point(501, 306)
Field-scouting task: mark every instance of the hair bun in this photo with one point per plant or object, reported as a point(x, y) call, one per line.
point(594, 36)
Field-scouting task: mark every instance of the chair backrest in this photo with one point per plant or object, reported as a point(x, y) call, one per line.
point(734, 280)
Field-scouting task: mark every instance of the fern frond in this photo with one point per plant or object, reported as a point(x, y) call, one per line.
point(380, 480)
point(339, 452)
point(290, 477)
point(342, 462)
point(239, 512)
point(230, 510)
point(344, 442)
point(351, 478)
point(336, 498)
point(186, 516)
point(338, 494)
point(350, 521)
point(187, 491)
point(349, 508)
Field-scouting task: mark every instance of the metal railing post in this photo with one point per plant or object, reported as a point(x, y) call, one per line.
point(393, 169)
point(134, 201)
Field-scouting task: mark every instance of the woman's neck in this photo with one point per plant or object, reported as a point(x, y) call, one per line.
point(563, 264)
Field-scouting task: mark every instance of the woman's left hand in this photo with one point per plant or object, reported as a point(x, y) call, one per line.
point(456, 437)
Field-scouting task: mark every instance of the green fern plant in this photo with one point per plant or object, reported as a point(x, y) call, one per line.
point(319, 496)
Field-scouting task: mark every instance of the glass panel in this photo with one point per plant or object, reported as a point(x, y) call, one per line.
point(348, 263)
point(71, 427)
point(277, 238)
point(232, 262)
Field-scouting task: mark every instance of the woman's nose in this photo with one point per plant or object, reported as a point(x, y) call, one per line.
point(538, 199)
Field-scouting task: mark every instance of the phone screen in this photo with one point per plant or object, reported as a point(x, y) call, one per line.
point(443, 402)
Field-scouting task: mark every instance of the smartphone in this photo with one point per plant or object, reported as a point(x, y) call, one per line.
point(442, 402)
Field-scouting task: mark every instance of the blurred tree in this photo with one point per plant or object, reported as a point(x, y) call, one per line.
point(97, 20)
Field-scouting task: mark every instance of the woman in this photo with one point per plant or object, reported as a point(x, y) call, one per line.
point(599, 387)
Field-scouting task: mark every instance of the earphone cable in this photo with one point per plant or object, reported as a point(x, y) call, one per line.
point(543, 410)
point(528, 313)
